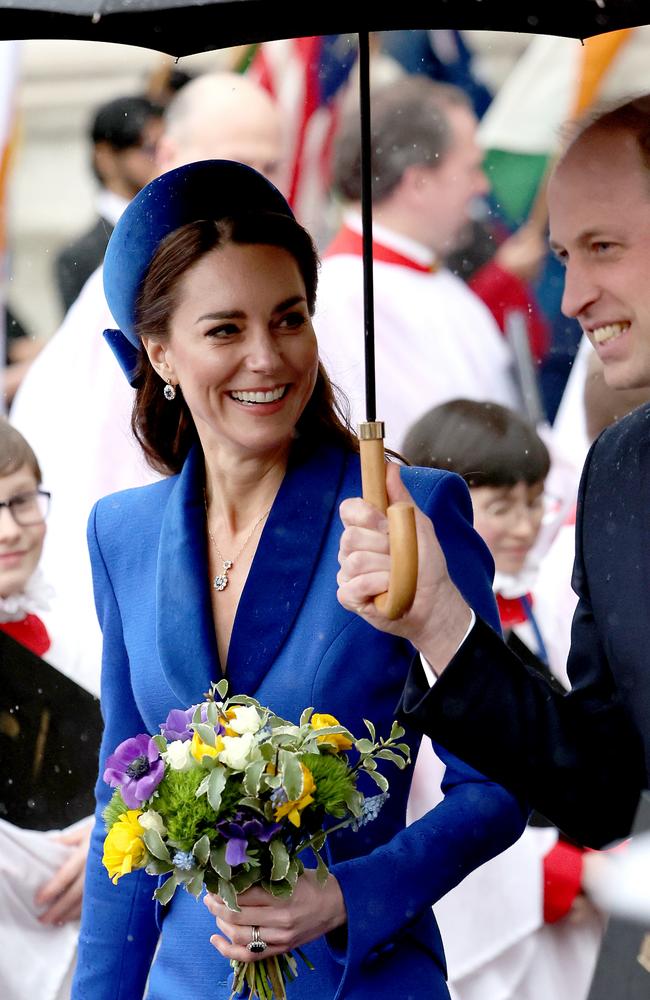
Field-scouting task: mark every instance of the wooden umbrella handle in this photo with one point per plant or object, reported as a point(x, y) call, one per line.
point(402, 581)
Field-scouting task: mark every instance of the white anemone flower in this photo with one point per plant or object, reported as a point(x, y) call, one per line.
point(245, 719)
point(178, 755)
point(152, 820)
point(239, 751)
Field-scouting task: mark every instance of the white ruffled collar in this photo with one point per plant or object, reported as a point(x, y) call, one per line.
point(33, 599)
point(512, 586)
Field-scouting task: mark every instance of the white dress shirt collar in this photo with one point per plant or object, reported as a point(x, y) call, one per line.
point(110, 205)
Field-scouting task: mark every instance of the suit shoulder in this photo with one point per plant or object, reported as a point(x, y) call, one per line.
point(627, 432)
point(617, 448)
point(135, 507)
point(423, 483)
point(611, 468)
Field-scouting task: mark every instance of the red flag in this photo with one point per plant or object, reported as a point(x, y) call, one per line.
point(306, 77)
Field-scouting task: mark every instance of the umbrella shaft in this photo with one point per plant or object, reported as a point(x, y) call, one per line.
point(366, 217)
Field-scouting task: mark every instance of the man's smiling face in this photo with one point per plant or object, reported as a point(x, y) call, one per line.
point(599, 210)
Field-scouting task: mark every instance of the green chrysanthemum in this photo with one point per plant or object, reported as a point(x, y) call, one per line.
point(333, 780)
point(115, 808)
point(185, 816)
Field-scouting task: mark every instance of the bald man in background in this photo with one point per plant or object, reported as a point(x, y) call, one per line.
point(223, 116)
point(74, 406)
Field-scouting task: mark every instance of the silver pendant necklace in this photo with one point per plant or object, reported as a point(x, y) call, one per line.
point(221, 581)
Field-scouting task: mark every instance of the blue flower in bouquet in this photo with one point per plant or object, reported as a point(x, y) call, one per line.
point(372, 806)
point(238, 831)
point(136, 768)
point(183, 860)
point(279, 797)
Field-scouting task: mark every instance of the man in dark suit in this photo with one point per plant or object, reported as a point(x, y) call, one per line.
point(581, 759)
point(124, 133)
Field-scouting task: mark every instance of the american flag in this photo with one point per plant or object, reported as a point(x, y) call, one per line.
point(306, 76)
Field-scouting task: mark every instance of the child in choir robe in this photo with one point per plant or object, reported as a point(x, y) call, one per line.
point(41, 875)
point(519, 928)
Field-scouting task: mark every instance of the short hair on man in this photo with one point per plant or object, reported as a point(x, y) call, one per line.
point(409, 126)
point(632, 115)
point(121, 122)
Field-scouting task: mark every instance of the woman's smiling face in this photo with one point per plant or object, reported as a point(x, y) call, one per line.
point(242, 347)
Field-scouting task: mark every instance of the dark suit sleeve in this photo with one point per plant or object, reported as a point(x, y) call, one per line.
point(577, 758)
point(76, 262)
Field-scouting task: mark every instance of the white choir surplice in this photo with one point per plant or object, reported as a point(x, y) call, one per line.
point(74, 408)
point(36, 960)
point(497, 944)
point(435, 339)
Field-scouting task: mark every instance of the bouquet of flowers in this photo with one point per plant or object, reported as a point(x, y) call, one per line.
point(229, 796)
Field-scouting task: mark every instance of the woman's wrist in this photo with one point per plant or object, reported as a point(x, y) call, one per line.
point(338, 914)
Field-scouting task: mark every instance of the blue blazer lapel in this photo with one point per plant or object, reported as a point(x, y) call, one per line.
point(285, 561)
point(184, 624)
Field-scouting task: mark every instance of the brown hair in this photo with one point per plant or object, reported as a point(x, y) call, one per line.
point(15, 452)
point(409, 126)
point(166, 430)
point(486, 444)
point(631, 116)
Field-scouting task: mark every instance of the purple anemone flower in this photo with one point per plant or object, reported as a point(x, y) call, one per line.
point(239, 831)
point(176, 723)
point(176, 726)
point(136, 768)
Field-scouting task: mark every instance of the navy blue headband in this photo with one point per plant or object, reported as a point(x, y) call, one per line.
point(209, 189)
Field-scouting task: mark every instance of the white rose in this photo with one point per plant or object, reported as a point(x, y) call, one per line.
point(245, 719)
point(152, 820)
point(239, 751)
point(178, 755)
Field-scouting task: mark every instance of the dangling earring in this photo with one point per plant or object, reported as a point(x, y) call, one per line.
point(169, 392)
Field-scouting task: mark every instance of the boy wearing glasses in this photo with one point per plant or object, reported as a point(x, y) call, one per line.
point(41, 881)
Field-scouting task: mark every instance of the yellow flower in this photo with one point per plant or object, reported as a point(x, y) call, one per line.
point(337, 740)
point(124, 847)
point(293, 808)
point(201, 749)
point(231, 713)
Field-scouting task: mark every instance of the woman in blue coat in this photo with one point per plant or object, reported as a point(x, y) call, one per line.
point(228, 566)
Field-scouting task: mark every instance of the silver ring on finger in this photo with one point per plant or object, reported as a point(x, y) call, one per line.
point(256, 945)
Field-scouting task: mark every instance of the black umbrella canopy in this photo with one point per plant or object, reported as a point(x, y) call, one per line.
point(182, 28)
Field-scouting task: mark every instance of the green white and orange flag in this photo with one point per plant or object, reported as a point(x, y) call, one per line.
point(555, 80)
